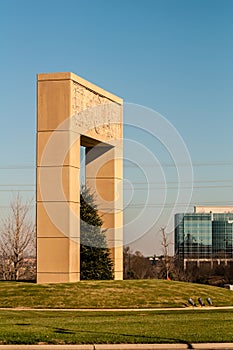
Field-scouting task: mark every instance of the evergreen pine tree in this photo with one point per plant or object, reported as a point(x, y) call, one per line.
point(95, 260)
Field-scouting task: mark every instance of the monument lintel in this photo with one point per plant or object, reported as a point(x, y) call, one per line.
point(76, 78)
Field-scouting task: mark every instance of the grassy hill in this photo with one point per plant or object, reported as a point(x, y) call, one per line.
point(110, 294)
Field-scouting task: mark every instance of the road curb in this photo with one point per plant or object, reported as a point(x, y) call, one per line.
point(207, 308)
point(206, 346)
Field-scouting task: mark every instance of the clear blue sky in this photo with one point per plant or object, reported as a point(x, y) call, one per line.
point(173, 56)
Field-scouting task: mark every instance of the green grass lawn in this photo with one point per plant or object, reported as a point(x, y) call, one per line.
point(190, 325)
point(67, 327)
point(109, 294)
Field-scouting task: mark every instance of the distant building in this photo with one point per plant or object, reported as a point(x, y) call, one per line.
point(204, 236)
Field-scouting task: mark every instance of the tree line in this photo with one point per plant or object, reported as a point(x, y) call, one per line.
point(18, 251)
point(137, 266)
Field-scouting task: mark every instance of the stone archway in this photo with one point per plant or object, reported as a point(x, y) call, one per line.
point(73, 112)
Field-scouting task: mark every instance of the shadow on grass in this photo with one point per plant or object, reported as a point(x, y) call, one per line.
point(152, 339)
point(63, 331)
point(19, 281)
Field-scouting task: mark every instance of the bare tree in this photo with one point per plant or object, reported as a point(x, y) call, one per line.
point(17, 240)
point(136, 265)
point(127, 258)
point(167, 260)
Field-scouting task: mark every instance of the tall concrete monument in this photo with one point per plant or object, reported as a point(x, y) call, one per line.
point(73, 112)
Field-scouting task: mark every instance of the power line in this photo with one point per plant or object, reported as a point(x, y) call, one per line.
point(148, 164)
point(18, 190)
point(8, 206)
point(139, 183)
point(194, 164)
point(139, 188)
point(17, 185)
point(17, 167)
point(175, 188)
point(171, 205)
point(149, 185)
point(176, 182)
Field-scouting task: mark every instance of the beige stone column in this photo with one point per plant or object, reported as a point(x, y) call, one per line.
point(104, 175)
point(58, 193)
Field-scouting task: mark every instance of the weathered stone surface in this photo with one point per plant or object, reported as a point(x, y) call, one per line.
point(95, 115)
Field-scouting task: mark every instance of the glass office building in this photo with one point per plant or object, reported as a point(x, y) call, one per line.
point(204, 236)
point(222, 233)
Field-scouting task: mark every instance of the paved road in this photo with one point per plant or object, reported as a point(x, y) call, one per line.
point(115, 310)
point(225, 346)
